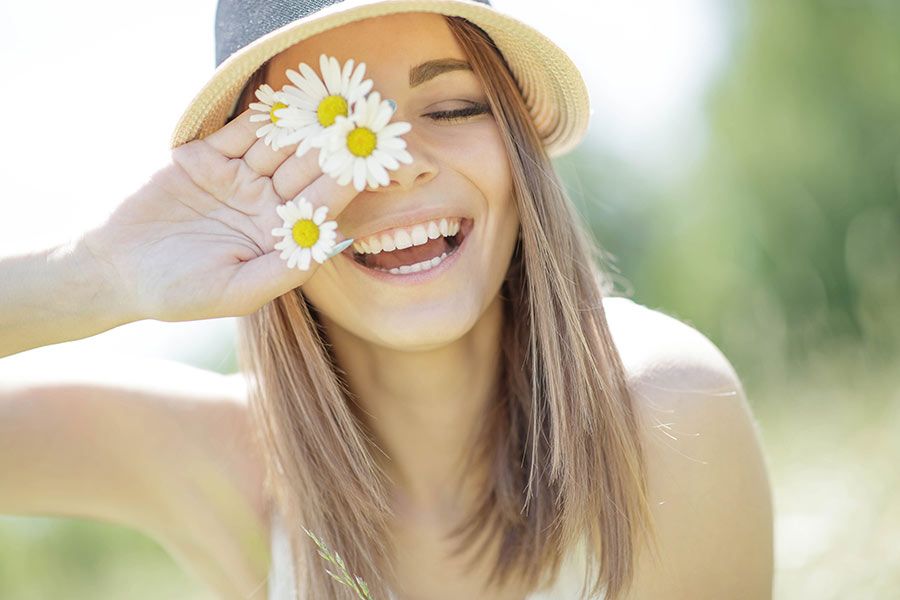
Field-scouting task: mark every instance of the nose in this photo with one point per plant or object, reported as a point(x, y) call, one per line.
point(422, 169)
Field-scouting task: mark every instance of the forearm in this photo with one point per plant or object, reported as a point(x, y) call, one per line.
point(55, 295)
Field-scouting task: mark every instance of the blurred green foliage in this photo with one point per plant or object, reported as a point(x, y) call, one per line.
point(782, 246)
point(785, 242)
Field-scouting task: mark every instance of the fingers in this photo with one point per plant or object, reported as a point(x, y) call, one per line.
point(234, 139)
point(269, 275)
point(303, 176)
point(264, 160)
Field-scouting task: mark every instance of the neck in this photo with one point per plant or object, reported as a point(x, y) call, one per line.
point(425, 408)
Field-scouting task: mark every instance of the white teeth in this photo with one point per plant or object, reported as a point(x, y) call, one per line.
point(408, 236)
point(403, 239)
point(419, 266)
point(419, 235)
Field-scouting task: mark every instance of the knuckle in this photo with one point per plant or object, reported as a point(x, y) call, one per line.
point(207, 168)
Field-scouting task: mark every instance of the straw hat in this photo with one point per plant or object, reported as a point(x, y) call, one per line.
point(250, 32)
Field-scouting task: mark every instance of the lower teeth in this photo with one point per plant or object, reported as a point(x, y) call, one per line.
point(420, 266)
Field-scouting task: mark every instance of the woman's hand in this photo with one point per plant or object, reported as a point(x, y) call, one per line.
point(195, 242)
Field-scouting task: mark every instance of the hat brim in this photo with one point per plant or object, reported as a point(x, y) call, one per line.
point(553, 88)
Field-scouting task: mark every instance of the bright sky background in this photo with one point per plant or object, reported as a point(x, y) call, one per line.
point(94, 88)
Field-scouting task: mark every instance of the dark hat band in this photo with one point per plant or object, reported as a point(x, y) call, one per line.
point(239, 22)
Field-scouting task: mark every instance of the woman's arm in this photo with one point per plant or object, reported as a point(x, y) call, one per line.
point(708, 484)
point(55, 295)
point(160, 447)
point(194, 242)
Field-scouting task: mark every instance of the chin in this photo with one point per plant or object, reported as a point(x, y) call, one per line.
point(418, 330)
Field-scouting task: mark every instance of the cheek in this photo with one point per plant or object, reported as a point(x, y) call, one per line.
point(476, 151)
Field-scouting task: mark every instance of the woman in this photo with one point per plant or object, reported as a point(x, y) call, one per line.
point(486, 428)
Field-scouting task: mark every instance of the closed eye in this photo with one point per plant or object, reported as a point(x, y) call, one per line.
point(460, 113)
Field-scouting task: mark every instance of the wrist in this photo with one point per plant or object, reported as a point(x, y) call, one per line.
point(94, 284)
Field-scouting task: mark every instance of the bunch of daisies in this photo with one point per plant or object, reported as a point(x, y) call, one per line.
point(340, 115)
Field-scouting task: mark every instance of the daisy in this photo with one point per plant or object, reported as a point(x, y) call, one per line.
point(363, 146)
point(269, 102)
point(314, 104)
point(306, 234)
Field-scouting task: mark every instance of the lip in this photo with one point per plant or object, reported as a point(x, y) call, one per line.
point(420, 276)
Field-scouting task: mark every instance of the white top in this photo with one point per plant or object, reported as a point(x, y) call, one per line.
point(281, 572)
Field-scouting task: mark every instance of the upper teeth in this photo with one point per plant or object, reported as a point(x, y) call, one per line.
point(404, 237)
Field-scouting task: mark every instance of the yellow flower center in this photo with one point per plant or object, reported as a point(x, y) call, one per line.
point(305, 232)
point(276, 106)
point(330, 108)
point(361, 141)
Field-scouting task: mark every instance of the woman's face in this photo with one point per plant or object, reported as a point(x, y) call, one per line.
point(459, 172)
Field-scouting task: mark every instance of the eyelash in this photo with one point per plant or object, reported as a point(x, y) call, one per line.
point(461, 113)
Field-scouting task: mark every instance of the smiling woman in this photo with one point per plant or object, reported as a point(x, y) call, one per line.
point(401, 356)
point(453, 403)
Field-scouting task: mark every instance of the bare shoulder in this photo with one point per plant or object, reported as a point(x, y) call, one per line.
point(153, 444)
point(707, 479)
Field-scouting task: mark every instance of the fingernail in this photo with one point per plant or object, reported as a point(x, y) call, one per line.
point(338, 248)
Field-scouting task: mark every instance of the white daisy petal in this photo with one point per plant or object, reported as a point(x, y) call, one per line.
point(282, 211)
point(359, 174)
point(391, 143)
point(346, 72)
point(282, 231)
point(319, 214)
point(303, 263)
point(370, 179)
point(302, 148)
point(382, 116)
point(318, 254)
point(311, 87)
point(395, 129)
point(345, 177)
point(313, 81)
point(358, 73)
point(385, 159)
point(292, 259)
point(331, 73)
point(365, 87)
point(373, 101)
point(305, 209)
point(336, 162)
point(328, 226)
point(297, 98)
point(379, 173)
point(265, 93)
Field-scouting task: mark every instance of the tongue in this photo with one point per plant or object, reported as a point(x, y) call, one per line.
point(408, 256)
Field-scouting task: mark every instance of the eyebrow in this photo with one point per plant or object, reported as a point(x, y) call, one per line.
point(432, 68)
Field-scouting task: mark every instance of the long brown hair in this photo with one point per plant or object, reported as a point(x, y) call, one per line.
point(561, 445)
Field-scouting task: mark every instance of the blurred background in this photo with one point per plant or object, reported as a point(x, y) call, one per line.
point(742, 172)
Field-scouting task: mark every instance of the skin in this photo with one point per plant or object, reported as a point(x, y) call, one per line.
point(180, 464)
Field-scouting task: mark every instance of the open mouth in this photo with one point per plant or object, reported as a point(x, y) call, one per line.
point(417, 257)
